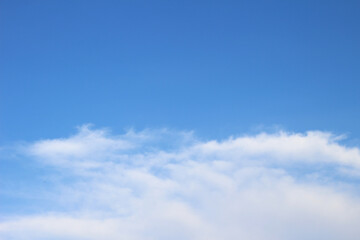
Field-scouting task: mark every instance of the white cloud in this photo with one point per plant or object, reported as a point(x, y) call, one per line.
point(169, 185)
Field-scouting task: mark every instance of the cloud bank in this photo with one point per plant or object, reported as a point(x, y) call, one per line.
point(161, 184)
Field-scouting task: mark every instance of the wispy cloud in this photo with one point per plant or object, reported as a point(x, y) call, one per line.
point(162, 184)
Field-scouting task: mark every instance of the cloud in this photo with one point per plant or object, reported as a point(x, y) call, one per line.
point(162, 184)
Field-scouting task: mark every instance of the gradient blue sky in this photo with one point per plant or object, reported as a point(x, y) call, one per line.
point(172, 81)
point(216, 67)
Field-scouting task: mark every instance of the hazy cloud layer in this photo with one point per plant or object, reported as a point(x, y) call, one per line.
point(161, 184)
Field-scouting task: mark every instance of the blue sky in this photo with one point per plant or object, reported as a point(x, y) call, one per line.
point(216, 67)
point(179, 119)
